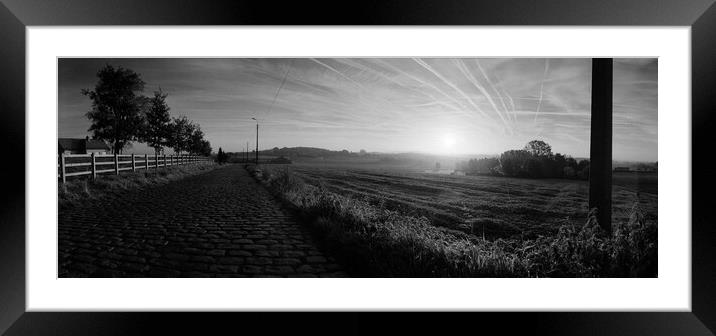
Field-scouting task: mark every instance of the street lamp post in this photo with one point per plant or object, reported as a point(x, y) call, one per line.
point(257, 140)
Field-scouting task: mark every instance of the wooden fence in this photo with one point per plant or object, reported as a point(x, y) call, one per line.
point(69, 165)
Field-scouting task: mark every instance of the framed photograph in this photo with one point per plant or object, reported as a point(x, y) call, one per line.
point(460, 158)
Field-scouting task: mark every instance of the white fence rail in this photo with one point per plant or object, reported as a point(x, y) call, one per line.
point(69, 165)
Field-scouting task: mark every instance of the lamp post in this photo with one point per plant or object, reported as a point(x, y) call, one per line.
point(257, 140)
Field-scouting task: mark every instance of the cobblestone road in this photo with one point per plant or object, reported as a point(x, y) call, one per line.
point(218, 224)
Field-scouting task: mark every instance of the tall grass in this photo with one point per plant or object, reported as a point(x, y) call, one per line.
point(374, 241)
point(79, 190)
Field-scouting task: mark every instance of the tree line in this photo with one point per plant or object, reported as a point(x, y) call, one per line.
point(535, 160)
point(121, 114)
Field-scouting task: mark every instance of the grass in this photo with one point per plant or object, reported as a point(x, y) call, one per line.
point(375, 240)
point(80, 190)
point(527, 208)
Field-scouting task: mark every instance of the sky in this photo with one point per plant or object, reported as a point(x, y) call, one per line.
point(454, 106)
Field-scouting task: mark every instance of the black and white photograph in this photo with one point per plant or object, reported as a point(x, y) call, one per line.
point(367, 167)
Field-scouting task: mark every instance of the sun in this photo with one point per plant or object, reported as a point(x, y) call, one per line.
point(449, 141)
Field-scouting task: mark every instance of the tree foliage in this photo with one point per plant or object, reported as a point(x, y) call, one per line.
point(536, 160)
point(514, 162)
point(484, 166)
point(181, 132)
point(116, 113)
point(538, 148)
point(120, 114)
point(157, 126)
point(221, 156)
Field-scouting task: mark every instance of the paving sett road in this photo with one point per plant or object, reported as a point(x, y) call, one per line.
point(218, 224)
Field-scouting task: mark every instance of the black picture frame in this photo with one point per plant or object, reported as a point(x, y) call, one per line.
point(15, 15)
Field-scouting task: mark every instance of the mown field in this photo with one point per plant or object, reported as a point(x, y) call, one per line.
point(393, 221)
point(496, 207)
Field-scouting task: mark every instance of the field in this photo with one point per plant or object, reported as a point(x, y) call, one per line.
point(387, 220)
point(496, 207)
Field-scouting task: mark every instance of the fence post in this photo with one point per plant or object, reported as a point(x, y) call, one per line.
point(146, 162)
point(134, 165)
point(94, 167)
point(156, 161)
point(165, 161)
point(62, 168)
point(116, 164)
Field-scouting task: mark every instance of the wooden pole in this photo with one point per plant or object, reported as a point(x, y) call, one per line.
point(94, 167)
point(600, 166)
point(62, 168)
point(165, 160)
point(134, 163)
point(116, 164)
point(146, 162)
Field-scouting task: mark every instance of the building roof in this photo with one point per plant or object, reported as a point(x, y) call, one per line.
point(80, 144)
point(96, 144)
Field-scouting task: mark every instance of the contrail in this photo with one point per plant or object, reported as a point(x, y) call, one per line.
point(429, 68)
point(584, 114)
point(573, 137)
point(280, 87)
point(369, 103)
point(338, 72)
point(459, 106)
point(380, 74)
point(512, 103)
point(492, 85)
point(541, 87)
point(422, 82)
point(367, 69)
point(461, 65)
point(359, 66)
point(349, 79)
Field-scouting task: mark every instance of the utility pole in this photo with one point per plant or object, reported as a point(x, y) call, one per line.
point(600, 166)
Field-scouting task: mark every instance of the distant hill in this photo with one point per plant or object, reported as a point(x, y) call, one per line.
point(303, 152)
point(299, 154)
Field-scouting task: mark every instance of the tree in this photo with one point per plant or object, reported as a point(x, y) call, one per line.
point(205, 148)
point(116, 107)
point(481, 166)
point(538, 148)
point(156, 130)
point(196, 139)
point(514, 162)
point(221, 156)
point(583, 169)
point(179, 137)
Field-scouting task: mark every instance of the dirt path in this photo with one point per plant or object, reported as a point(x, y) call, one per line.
point(218, 224)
